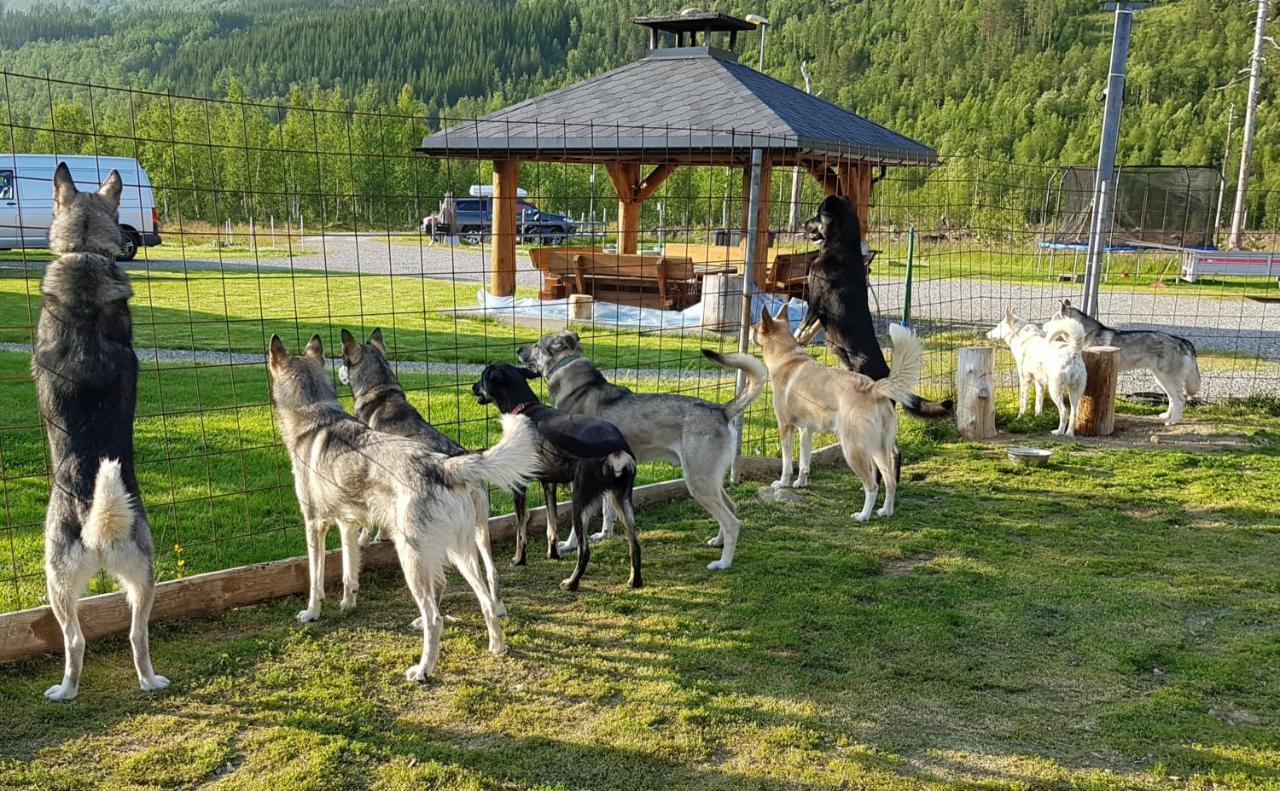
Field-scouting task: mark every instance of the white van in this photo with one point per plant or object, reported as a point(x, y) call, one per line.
point(26, 198)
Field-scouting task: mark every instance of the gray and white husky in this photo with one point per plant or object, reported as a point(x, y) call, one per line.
point(349, 475)
point(1170, 359)
point(86, 376)
point(1047, 358)
point(380, 404)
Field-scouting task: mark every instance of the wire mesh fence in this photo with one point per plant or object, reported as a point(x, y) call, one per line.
point(311, 215)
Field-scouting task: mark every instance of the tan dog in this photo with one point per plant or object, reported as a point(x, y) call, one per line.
point(809, 396)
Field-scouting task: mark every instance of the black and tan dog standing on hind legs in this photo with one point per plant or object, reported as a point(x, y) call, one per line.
point(86, 376)
point(837, 295)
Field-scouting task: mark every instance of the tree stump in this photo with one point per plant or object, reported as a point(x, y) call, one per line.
point(975, 393)
point(1096, 416)
point(581, 307)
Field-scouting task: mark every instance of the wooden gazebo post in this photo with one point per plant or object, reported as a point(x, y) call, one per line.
point(632, 193)
point(502, 280)
point(761, 224)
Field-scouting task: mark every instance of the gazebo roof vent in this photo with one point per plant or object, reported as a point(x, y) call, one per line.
point(686, 25)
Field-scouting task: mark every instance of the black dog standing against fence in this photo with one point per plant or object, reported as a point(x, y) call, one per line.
point(590, 453)
point(837, 294)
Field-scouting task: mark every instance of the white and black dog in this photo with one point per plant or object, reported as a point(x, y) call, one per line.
point(589, 453)
point(1170, 359)
point(86, 376)
point(349, 475)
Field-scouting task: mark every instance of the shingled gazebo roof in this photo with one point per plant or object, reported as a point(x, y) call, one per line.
point(694, 104)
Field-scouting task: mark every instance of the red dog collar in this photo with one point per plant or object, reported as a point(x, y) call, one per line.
point(518, 408)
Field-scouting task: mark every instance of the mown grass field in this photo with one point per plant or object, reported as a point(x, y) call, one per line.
point(1108, 622)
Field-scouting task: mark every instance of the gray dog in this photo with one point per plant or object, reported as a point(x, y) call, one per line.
point(347, 474)
point(695, 435)
point(86, 378)
point(382, 406)
point(1170, 359)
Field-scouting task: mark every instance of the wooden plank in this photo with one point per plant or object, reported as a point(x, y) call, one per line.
point(645, 189)
point(823, 174)
point(502, 282)
point(28, 633)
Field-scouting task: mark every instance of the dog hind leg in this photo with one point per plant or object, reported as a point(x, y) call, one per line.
point(806, 454)
point(706, 485)
point(1173, 388)
point(786, 437)
point(67, 576)
point(137, 577)
point(553, 526)
point(480, 502)
point(621, 498)
point(866, 472)
point(422, 578)
point(469, 565)
point(521, 497)
point(350, 535)
point(316, 530)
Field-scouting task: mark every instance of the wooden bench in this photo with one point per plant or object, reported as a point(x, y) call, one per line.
point(649, 281)
point(787, 274)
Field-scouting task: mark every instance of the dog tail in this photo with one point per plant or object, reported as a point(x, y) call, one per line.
point(111, 513)
point(908, 361)
point(757, 376)
point(1068, 331)
point(1192, 384)
point(509, 464)
point(619, 464)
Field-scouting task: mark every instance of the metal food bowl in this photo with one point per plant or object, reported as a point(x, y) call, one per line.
point(1029, 457)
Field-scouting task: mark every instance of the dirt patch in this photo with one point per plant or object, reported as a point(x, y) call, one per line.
point(1140, 431)
point(905, 565)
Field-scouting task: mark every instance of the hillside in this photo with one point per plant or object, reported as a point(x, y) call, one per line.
point(1006, 79)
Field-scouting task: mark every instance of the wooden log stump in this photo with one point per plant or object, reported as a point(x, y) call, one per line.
point(975, 393)
point(1096, 416)
point(581, 307)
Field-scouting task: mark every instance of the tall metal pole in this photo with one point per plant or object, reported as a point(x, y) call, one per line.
point(1103, 185)
point(748, 280)
point(793, 216)
point(1250, 121)
point(1222, 171)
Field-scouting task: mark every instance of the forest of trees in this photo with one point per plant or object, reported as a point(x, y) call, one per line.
point(982, 81)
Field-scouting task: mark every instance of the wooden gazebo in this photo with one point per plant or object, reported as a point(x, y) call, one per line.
point(686, 104)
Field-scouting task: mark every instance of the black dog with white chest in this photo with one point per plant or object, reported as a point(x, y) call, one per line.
point(837, 295)
point(591, 454)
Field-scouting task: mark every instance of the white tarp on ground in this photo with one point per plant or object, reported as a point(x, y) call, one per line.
point(628, 316)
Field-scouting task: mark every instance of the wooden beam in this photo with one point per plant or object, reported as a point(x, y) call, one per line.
point(823, 174)
point(502, 282)
point(645, 189)
point(625, 178)
point(855, 184)
point(32, 632)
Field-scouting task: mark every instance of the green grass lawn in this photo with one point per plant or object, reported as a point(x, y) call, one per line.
point(1108, 622)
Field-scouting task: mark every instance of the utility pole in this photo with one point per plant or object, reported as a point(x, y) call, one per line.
point(1222, 171)
point(793, 217)
point(1104, 185)
point(1250, 122)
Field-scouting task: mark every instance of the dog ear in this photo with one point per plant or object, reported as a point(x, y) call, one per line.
point(572, 341)
point(766, 321)
point(350, 349)
point(375, 338)
point(278, 355)
point(1008, 315)
point(111, 189)
point(781, 315)
point(315, 349)
point(64, 187)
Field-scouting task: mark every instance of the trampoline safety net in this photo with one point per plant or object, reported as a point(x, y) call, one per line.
point(1159, 206)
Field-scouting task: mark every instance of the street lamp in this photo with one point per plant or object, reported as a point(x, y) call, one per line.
point(763, 24)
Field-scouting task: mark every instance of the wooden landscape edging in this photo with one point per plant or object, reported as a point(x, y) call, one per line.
point(28, 633)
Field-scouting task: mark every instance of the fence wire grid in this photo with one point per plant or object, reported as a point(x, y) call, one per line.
point(309, 216)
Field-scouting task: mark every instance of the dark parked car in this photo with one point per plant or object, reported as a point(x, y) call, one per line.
point(474, 221)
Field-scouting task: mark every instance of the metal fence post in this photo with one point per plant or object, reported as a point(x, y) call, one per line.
point(1107, 149)
point(911, 261)
point(748, 280)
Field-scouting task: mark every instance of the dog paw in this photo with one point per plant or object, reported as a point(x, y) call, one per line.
point(565, 547)
point(497, 647)
point(309, 615)
point(500, 608)
point(716, 541)
point(416, 623)
point(416, 673)
point(1056, 432)
point(1164, 415)
point(569, 584)
point(154, 683)
point(801, 483)
point(61, 692)
point(603, 535)
point(517, 561)
point(885, 511)
point(348, 603)
point(779, 484)
point(718, 565)
point(860, 517)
